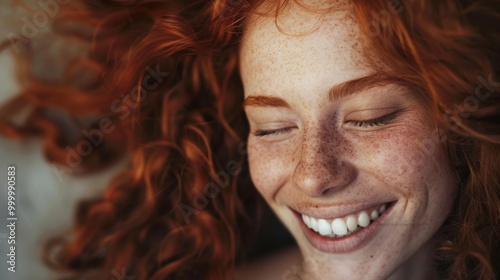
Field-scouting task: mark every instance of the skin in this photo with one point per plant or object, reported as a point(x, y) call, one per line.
point(319, 159)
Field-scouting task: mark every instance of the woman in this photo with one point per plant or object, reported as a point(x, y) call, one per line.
point(373, 135)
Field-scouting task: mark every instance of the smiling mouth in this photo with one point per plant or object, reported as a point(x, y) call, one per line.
point(347, 225)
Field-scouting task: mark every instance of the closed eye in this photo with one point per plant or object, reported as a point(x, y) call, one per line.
point(375, 122)
point(262, 133)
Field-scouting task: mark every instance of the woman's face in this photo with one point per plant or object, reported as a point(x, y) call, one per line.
point(328, 160)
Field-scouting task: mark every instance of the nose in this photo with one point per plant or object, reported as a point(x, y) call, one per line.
point(322, 168)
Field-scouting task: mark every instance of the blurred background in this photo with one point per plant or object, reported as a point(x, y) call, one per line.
point(46, 196)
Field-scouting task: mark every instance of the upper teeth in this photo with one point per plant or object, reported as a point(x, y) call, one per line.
point(346, 225)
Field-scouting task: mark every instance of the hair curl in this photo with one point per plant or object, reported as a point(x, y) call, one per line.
point(191, 125)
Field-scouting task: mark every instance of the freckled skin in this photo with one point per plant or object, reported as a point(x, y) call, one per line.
point(324, 160)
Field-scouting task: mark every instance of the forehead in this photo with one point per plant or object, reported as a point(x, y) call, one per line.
point(302, 49)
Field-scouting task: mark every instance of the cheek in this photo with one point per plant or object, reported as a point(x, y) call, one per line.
point(398, 159)
point(269, 166)
point(403, 155)
point(413, 165)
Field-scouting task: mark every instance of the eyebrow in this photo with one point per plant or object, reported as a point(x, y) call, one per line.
point(337, 92)
point(265, 101)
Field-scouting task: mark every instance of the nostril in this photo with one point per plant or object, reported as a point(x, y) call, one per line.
point(325, 192)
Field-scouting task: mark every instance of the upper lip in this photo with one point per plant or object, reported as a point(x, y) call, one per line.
point(335, 211)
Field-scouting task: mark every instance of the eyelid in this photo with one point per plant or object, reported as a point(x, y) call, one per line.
point(266, 132)
point(375, 122)
point(370, 114)
point(269, 125)
point(274, 134)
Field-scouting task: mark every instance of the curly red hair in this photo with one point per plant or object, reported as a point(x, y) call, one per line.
point(188, 127)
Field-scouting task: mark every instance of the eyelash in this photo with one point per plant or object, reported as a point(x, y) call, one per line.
point(375, 122)
point(262, 133)
point(368, 123)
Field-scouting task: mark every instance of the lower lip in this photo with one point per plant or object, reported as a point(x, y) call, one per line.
point(344, 244)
